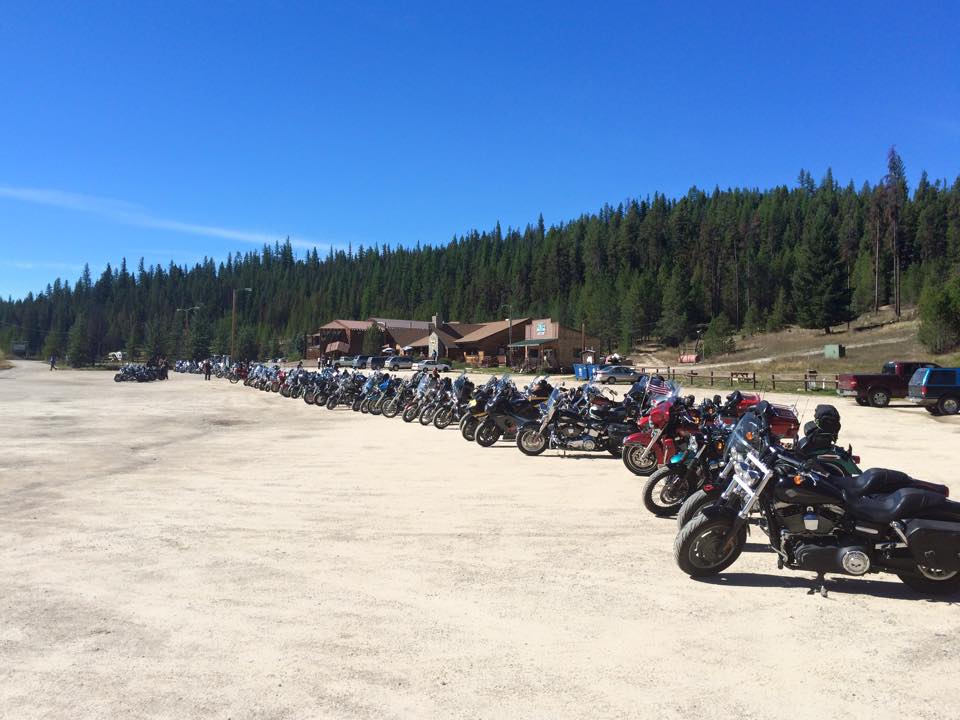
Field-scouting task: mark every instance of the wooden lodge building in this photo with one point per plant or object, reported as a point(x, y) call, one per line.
point(531, 343)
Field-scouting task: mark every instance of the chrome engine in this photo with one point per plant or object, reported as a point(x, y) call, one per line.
point(584, 442)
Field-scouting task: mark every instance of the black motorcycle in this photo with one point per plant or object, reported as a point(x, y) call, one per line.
point(510, 409)
point(568, 422)
point(880, 521)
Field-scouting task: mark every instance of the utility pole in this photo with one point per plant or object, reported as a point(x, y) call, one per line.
point(186, 317)
point(233, 324)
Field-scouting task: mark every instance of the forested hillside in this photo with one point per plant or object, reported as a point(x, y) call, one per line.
point(813, 254)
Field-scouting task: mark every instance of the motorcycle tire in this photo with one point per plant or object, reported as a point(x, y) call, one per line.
point(631, 455)
point(355, 405)
point(320, 400)
point(410, 413)
point(234, 379)
point(275, 387)
point(331, 402)
point(365, 406)
point(285, 391)
point(928, 583)
point(309, 397)
point(427, 415)
point(698, 551)
point(664, 492)
point(296, 392)
point(692, 506)
point(443, 418)
point(530, 442)
point(376, 408)
point(468, 428)
point(118, 378)
point(487, 433)
point(390, 408)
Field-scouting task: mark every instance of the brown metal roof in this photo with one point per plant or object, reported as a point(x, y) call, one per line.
point(492, 328)
point(346, 325)
point(407, 324)
point(405, 336)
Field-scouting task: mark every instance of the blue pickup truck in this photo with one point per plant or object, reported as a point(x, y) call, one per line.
point(936, 389)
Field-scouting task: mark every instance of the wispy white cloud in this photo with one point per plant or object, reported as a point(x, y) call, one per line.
point(135, 215)
point(39, 265)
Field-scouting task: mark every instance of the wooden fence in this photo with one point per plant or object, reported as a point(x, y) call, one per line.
point(712, 378)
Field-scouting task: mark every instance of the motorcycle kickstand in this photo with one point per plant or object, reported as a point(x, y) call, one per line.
point(819, 585)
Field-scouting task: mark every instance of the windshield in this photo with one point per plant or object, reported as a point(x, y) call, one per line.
point(552, 401)
point(748, 435)
point(889, 369)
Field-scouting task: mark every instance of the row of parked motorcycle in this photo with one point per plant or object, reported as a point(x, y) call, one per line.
point(721, 466)
point(133, 372)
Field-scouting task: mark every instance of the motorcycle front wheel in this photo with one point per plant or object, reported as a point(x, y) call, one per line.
point(427, 415)
point(487, 433)
point(468, 428)
point(664, 492)
point(390, 408)
point(443, 418)
point(693, 505)
point(530, 442)
point(699, 549)
point(631, 458)
point(331, 402)
point(410, 413)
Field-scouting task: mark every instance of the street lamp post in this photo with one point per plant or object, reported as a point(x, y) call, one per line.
point(233, 324)
point(509, 332)
point(186, 316)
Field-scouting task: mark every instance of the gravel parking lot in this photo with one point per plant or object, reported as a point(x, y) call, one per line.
point(191, 549)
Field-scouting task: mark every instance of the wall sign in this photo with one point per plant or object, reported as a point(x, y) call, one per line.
point(541, 328)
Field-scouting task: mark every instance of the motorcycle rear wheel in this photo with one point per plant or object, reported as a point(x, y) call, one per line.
point(530, 442)
point(698, 549)
point(631, 458)
point(932, 582)
point(664, 492)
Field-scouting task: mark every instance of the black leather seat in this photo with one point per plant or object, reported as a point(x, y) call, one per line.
point(900, 504)
point(878, 481)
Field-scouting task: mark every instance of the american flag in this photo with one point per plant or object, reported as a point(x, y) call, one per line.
point(656, 390)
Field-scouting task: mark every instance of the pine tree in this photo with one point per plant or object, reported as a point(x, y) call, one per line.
point(821, 297)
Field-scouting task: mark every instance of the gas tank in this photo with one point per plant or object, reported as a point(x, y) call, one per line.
point(806, 490)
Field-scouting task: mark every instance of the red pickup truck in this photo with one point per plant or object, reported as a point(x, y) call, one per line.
point(876, 390)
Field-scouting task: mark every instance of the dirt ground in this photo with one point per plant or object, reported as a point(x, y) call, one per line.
point(195, 549)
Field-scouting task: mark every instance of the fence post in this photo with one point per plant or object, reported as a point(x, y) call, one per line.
point(711, 378)
point(773, 381)
point(754, 380)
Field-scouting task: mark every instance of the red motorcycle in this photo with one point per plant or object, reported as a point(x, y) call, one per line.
point(671, 421)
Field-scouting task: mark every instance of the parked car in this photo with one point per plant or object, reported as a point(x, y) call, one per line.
point(440, 365)
point(892, 382)
point(360, 362)
point(399, 362)
point(610, 374)
point(345, 361)
point(936, 389)
point(377, 362)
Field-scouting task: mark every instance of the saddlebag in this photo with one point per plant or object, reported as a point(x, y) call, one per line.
point(934, 543)
point(827, 419)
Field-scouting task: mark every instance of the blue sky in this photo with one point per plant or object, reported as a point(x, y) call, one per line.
point(174, 130)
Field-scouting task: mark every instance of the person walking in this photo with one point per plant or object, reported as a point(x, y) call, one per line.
point(53, 362)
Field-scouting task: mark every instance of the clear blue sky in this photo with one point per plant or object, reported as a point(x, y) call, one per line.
point(174, 130)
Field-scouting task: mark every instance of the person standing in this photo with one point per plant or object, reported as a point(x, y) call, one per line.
point(53, 362)
point(207, 367)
